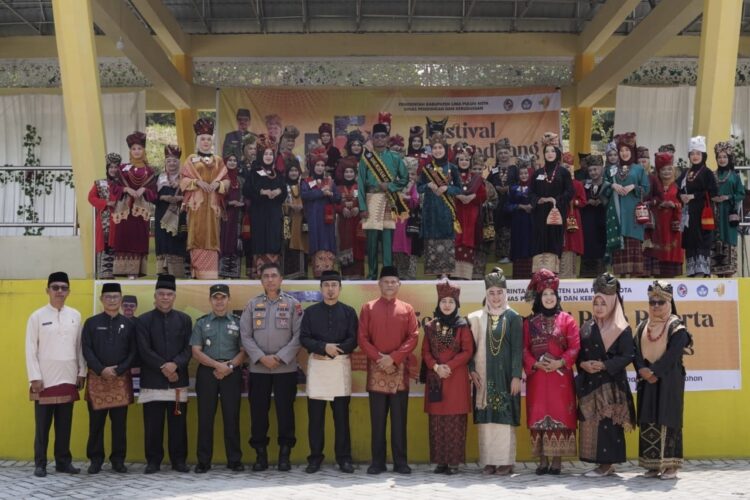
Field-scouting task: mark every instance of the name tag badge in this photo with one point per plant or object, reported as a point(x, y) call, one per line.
point(262, 173)
point(540, 177)
point(233, 327)
point(494, 170)
point(101, 328)
point(126, 167)
point(356, 193)
point(47, 323)
point(208, 342)
point(312, 183)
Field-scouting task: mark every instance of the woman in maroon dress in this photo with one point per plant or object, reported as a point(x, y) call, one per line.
point(666, 254)
point(103, 202)
point(230, 261)
point(447, 347)
point(550, 348)
point(468, 205)
point(135, 193)
point(351, 254)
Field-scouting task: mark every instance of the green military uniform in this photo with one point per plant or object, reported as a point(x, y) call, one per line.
point(219, 339)
point(378, 206)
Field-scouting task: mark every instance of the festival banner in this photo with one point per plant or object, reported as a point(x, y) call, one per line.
point(708, 307)
point(479, 117)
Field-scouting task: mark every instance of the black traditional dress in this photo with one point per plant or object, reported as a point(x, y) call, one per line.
point(605, 404)
point(550, 181)
point(266, 216)
point(661, 405)
point(594, 221)
point(701, 183)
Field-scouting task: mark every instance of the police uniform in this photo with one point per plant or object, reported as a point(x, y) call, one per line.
point(233, 144)
point(219, 339)
point(272, 327)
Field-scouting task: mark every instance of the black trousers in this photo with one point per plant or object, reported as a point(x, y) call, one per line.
point(209, 388)
point(380, 404)
point(284, 388)
point(153, 426)
point(316, 410)
point(62, 414)
point(118, 418)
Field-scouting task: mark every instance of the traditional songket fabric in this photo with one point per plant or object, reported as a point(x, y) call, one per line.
point(605, 404)
point(724, 251)
point(403, 256)
point(321, 221)
point(439, 220)
point(170, 222)
point(204, 211)
point(99, 196)
point(132, 217)
point(468, 216)
point(497, 360)
point(447, 341)
point(484, 248)
point(550, 397)
point(573, 245)
point(660, 344)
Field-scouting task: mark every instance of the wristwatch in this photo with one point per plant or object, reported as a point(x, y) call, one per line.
point(231, 366)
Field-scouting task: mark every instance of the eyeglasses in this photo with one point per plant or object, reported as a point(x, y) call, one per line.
point(59, 288)
point(657, 302)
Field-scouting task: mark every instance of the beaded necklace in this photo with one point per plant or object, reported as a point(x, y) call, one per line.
point(496, 344)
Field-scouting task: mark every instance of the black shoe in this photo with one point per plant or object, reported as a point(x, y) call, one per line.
point(554, 472)
point(119, 467)
point(452, 471)
point(40, 471)
point(261, 462)
point(441, 469)
point(284, 464)
point(235, 466)
point(201, 468)
point(181, 468)
point(402, 469)
point(152, 469)
point(346, 466)
point(95, 468)
point(540, 471)
point(375, 469)
point(68, 469)
point(312, 467)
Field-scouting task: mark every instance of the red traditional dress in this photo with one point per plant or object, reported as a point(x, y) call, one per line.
point(573, 244)
point(452, 346)
point(468, 216)
point(99, 196)
point(550, 397)
point(133, 216)
point(351, 254)
point(666, 239)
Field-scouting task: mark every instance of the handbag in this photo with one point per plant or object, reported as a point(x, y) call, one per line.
point(488, 226)
point(245, 227)
point(707, 216)
point(287, 228)
point(642, 214)
point(571, 224)
point(554, 218)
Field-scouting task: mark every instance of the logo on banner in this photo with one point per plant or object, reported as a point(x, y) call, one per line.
point(720, 289)
point(508, 104)
point(702, 291)
point(526, 104)
point(682, 290)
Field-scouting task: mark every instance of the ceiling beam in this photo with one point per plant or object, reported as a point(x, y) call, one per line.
point(526, 8)
point(358, 15)
point(605, 22)
point(142, 50)
point(202, 15)
point(19, 16)
point(663, 23)
point(258, 9)
point(467, 14)
point(164, 24)
point(412, 6)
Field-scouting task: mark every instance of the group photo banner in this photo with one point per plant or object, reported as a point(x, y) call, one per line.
point(709, 309)
point(479, 117)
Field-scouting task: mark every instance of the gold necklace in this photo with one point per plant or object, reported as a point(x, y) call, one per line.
point(496, 345)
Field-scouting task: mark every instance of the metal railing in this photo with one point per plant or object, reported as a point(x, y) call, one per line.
point(37, 200)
